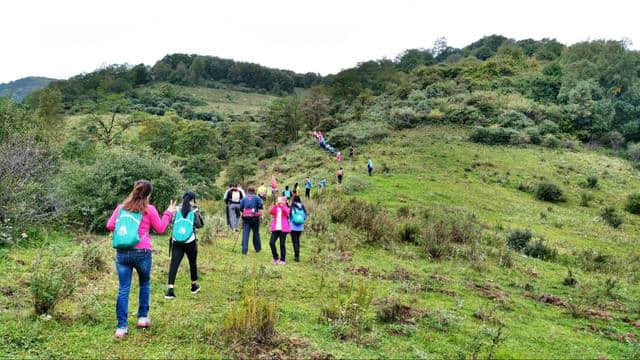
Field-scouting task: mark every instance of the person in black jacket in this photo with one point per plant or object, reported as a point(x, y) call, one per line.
point(188, 247)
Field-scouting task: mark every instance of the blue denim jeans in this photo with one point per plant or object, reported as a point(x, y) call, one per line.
point(126, 261)
point(254, 226)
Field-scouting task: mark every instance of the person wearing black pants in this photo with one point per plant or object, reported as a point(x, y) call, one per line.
point(279, 229)
point(297, 218)
point(189, 247)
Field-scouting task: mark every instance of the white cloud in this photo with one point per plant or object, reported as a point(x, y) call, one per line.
point(63, 38)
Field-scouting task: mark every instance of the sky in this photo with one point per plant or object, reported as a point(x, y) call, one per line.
point(63, 38)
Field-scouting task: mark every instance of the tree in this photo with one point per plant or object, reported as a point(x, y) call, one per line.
point(315, 106)
point(110, 123)
point(410, 59)
point(284, 120)
point(590, 112)
point(439, 46)
point(240, 169)
point(196, 137)
point(140, 75)
point(160, 133)
point(198, 68)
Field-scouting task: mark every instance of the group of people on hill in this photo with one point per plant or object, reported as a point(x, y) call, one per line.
point(132, 221)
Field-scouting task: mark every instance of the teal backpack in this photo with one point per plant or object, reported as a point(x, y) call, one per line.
point(287, 194)
point(297, 216)
point(125, 234)
point(183, 226)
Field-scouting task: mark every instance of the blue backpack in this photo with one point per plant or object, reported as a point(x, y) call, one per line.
point(287, 194)
point(297, 216)
point(125, 234)
point(183, 226)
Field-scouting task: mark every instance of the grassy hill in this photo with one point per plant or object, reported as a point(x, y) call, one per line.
point(21, 88)
point(479, 299)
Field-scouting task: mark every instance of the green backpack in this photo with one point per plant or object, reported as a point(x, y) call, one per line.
point(183, 226)
point(125, 234)
point(297, 216)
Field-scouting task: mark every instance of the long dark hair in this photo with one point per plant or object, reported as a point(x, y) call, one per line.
point(296, 200)
point(138, 200)
point(185, 208)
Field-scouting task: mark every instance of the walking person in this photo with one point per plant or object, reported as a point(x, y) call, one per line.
point(369, 167)
point(350, 152)
point(307, 187)
point(297, 217)
point(185, 241)
point(130, 224)
point(274, 186)
point(339, 157)
point(287, 193)
point(279, 228)
point(233, 198)
point(251, 207)
point(340, 174)
point(262, 192)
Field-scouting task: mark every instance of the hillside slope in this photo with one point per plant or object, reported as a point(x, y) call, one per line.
point(481, 300)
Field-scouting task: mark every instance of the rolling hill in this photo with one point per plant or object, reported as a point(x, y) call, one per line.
point(21, 88)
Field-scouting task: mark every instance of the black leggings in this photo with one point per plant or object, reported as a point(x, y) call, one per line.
point(295, 239)
point(177, 253)
point(339, 179)
point(272, 243)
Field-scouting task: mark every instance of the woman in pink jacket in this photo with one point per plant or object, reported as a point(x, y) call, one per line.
point(279, 229)
point(139, 257)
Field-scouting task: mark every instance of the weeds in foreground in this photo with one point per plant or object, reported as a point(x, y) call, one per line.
point(347, 315)
point(53, 279)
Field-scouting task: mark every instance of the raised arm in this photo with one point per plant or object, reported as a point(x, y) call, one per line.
point(159, 224)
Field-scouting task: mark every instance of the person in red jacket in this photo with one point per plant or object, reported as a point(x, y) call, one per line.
point(280, 227)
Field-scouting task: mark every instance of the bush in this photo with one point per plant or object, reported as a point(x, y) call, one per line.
point(92, 258)
point(52, 279)
point(442, 233)
point(492, 135)
point(551, 141)
point(347, 315)
point(355, 184)
point(515, 120)
point(392, 310)
point(548, 127)
point(585, 198)
point(570, 280)
point(547, 191)
point(91, 192)
point(403, 118)
point(534, 135)
point(358, 133)
point(372, 219)
point(611, 217)
point(409, 232)
point(538, 249)
point(592, 182)
point(633, 152)
point(633, 203)
point(252, 320)
point(518, 239)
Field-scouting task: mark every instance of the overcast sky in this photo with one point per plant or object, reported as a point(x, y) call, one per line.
point(63, 38)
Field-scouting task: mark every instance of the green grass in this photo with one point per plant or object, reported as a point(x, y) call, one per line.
point(427, 169)
point(228, 102)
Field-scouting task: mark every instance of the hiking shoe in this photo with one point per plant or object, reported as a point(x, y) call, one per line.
point(282, 262)
point(275, 262)
point(297, 259)
point(195, 288)
point(144, 322)
point(120, 333)
point(170, 294)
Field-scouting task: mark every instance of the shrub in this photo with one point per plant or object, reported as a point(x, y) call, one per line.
point(518, 239)
point(633, 152)
point(347, 315)
point(213, 226)
point(538, 249)
point(372, 219)
point(92, 257)
point(515, 120)
point(392, 310)
point(442, 233)
point(611, 217)
point(409, 232)
point(633, 203)
point(91, 192)
point(252, 320)
point(570, 280)
point(403, 118)
point(547, 191)
point(551, 141)
point(548, 127)
point(585, 198)
point(358, 133)
point(534, 135)
point(52, 279)
point(592, 182)
point(492, 135)
point(355, 184)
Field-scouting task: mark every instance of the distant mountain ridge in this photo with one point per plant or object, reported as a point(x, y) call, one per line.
point(21, 88)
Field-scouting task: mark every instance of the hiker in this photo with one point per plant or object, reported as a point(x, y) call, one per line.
point(369, 166)
point(340, 174)
point(339, 157)
point(262, 192)
point(322, 184)
point(287, 193)
point(350, 152)
point(274, 186)
point(184, 241)
point(307, 188)
point(130, 224)
point(232, 198)
point(279, 229)
point(297, 218)
point(251, 207)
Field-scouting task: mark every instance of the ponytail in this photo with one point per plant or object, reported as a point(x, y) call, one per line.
point(185, 208)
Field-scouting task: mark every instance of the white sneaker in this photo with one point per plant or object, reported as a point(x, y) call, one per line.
point(144, 322)
point(120, 333)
